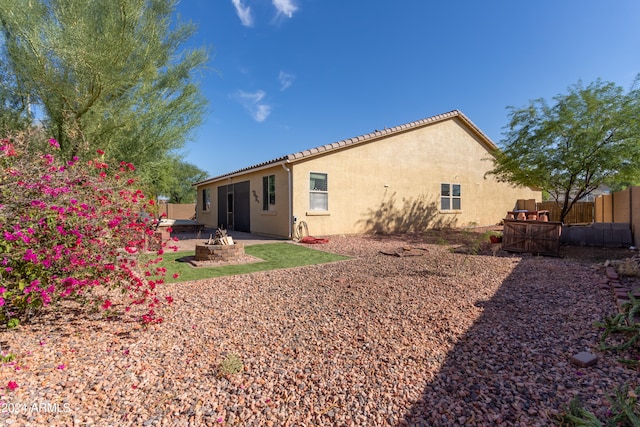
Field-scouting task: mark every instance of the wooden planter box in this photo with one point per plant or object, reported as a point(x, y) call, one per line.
point(536, 237)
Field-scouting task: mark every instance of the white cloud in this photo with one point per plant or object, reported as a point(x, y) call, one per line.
point(252, 103)
point(286, 80)
point(285, 7)
point(244, 13)
point(261, 112)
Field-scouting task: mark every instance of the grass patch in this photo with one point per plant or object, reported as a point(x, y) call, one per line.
point(232, 364)
point(275, 256)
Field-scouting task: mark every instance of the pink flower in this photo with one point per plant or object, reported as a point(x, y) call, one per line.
point(176, 275)
point(12, 385)
point(61, 367)
point(8, 149)
point(64, 210)
point(220, 420)
point(33, 286)
point(29, 255)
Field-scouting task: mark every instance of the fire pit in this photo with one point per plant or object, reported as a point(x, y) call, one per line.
point(222, 248)
point(213, 252)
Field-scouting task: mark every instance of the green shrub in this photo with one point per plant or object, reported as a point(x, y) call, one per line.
point(232, 364)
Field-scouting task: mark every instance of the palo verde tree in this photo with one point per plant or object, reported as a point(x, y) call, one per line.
point(585, 138)
point(113, 75)
point(14, 106)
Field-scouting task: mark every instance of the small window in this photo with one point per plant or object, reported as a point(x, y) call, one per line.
point(318, 192)
point(450, 195)
point(268, 191)
point(206, 199)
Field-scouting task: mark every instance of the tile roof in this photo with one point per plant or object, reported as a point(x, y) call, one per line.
point(361, 139)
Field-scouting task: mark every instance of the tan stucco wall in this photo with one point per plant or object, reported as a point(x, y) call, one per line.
point(622, 206)
point(635, 216)
point(208, 216)
point(177, 210)
point(393, 183)
point(273, 222)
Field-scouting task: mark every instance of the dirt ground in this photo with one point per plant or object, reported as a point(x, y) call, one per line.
point(476, 241)
point(471, 241)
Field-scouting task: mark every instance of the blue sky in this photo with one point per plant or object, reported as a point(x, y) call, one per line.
point(287, 75)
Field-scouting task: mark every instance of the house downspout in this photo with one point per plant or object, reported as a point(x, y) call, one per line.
point(290, 200)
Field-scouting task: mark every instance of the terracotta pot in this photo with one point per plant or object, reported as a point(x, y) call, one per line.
point(521, 216)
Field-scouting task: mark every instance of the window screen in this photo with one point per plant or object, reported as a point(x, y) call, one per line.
point(318, 192)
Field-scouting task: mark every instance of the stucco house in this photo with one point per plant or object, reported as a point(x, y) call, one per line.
point(427, 173)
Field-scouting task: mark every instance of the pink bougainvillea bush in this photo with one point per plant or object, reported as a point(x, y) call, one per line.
point(72, 229)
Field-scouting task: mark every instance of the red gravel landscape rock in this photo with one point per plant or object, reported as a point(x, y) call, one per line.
point(444, 338)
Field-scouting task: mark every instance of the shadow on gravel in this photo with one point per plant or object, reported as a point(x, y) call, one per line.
point(512, 367)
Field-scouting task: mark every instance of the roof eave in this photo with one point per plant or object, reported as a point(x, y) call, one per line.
point(261, 166)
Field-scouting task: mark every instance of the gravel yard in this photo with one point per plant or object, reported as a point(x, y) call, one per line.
point(438, 339)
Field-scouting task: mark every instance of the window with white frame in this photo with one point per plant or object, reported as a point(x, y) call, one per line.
point(318, 192)
point(268, 192)
point(450, 195)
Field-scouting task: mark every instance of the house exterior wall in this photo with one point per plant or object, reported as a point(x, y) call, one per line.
point(393, 183)
point(207, 215)
point(274, 222)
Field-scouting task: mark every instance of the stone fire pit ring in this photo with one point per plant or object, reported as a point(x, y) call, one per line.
point(226, 253)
